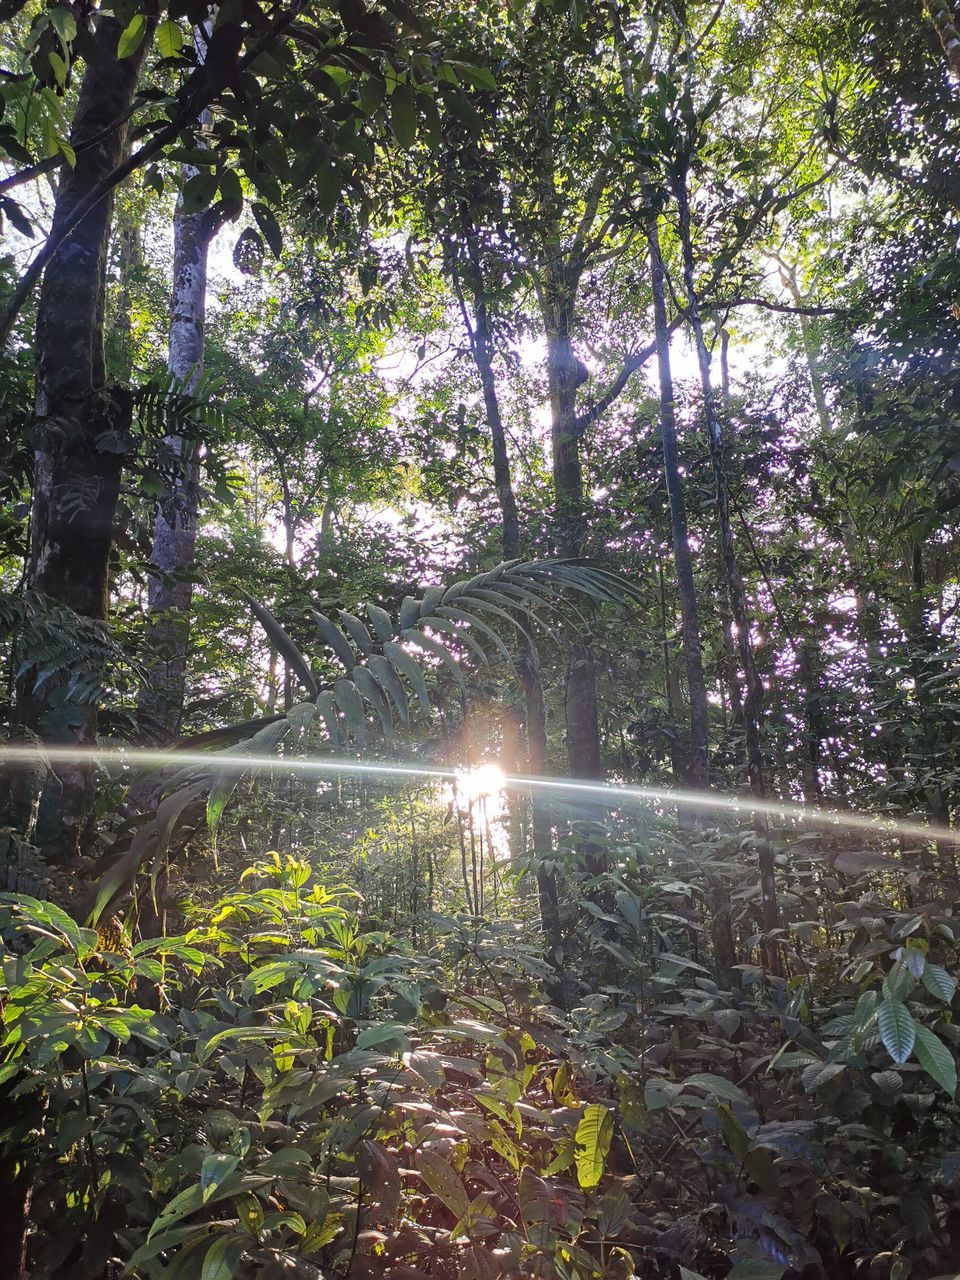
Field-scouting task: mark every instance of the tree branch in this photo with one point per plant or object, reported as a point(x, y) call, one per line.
point(54, 162)
point(630, 367)
point(199, 92)
point(768, 305)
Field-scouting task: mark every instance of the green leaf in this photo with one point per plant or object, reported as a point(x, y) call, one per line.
point(460, 633)
point(222, 1258)
point(160, 1243)
point(818, 1074)
point(214, 1170)
point(205, 1049)
point(479, 77)
point(734, 1134)
point(351, 704)
point(10, 209)
point(897, 1029)
point(64, 23)
point(716, 1085)
point(332, 636)
point(198, 191)
point(936, 1059)
point(411, 610)
point(269, 227)
point(189, 1201)
point(357, 632)
point(327, 710)
point(60, 69)
point(939, 983)
point(382, 623)
point(250, 1212)
point(283, 644)
point(391, 684)
point(403, 114)
point(371, 690)
point(443, 1181)
point(132, 36)
point(409, 667)
point(169, 38)
point(434, 647)
point(393, 1034)
point(593, 1138)
point(230, 187)
point(67, 151)
point(472, 621)
point(381, 1175)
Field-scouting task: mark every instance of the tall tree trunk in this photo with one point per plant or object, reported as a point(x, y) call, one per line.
point(170, 597)
point(671, 690)
point(686, 586)
point(699, 767)
point(753, 699)
point(483, 357)
point(534, 708)
point(85, 423)
point(565, 374)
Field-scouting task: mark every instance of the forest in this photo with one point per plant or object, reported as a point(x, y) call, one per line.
point(480, 627)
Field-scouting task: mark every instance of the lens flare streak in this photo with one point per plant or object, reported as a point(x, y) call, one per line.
point(611, 794)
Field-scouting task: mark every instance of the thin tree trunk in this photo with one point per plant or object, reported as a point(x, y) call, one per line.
point(85, 424)
point(534, 708)
point(753, 700)
point(170, 597)
point(671, 691)
point(565, 374)
point(808, 654)
point(483, 358)
point(699, 767)
point(699, 773)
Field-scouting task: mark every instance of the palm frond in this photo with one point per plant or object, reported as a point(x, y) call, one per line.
point(382, 665)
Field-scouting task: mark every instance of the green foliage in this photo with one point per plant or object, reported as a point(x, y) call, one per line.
point(48, 645)
point(278, 1083)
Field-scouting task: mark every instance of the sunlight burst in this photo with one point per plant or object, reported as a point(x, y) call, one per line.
point(484, 782)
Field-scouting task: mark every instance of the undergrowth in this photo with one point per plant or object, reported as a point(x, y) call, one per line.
point(277, 1092)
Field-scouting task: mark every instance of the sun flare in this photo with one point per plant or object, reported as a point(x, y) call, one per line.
point(481, 783)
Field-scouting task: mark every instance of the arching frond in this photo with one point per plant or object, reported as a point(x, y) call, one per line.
point(382, 665)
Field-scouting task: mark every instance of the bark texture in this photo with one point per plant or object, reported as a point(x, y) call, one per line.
point(85, 425)
point(565, 374)
point(941, 16)
point(170, 590)
point(699, 766)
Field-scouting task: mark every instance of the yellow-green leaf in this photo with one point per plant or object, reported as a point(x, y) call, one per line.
point(169, 39)
point(132, 36)
point(593, 1138)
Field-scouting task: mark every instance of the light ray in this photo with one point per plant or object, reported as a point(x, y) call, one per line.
point(611, 794)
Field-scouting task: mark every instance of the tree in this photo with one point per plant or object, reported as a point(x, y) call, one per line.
point(79, 468)
point(175, 526)
point(85, 424)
